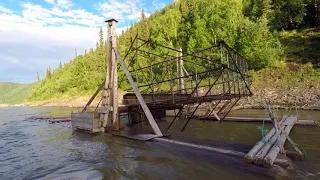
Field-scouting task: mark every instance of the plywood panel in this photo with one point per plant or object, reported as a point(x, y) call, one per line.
point(82, 120)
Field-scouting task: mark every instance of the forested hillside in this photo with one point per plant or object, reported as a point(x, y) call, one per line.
point(250, 26)
point(13, 93)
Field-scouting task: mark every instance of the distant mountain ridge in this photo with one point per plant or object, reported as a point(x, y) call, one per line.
point(13, 93)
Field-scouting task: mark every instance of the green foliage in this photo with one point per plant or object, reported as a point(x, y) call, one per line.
point(302, 46)
point(285, 14)
point(13, 93)
point(289, 75)
point(188, 24)
point(258, 45)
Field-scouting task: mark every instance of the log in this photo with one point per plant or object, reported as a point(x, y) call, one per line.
point(258, 158)
point(50, 117)
point(248, 158)
point(59, 120)
point(294, 155)
point(253, 120)
point(274, 151)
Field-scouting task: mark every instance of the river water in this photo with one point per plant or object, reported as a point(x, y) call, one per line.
point(32, 149)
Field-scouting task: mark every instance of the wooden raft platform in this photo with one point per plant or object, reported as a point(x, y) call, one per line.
point(266, 150)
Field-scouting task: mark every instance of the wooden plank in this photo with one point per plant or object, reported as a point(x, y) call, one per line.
point(143, 104)
point(82, 120)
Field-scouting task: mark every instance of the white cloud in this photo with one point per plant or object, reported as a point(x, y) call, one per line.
point(50, 1)
point(65, 4)
point(4, 10)
point(39, 37)
point(121, 9)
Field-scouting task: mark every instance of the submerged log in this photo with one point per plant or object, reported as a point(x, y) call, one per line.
point(248, 158)
point(274, 151)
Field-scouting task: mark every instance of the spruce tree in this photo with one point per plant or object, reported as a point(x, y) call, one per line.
point(38, 77)
point(75, 52)
point(101, 38)
point(60, 65)
point(143, 15)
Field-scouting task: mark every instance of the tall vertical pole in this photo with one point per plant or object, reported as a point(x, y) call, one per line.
point(115, 113)
point(106, 92)
point(180, 71)
point(110, 116)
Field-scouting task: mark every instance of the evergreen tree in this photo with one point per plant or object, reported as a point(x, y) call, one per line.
point(60, 65)
point(101, 41)
point(75, 52)
point(48, 73)
point(38, 77)
point(143, 16)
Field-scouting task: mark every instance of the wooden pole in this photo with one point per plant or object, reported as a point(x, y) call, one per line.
point(178, 71)
point(142, 102)
point(181, 72)
point(115, 113)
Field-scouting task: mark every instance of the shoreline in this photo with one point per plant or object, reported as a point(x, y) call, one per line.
point(80, 102)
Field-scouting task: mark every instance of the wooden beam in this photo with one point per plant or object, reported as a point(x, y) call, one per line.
point(115, 113)
point(143, 104)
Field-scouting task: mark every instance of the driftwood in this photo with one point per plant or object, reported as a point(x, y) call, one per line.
point(274, 151)
point(248, 158)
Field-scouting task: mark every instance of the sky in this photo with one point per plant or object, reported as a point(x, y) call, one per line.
point(36, 34)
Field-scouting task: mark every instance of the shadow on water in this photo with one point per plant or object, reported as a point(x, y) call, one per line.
point(32, 149)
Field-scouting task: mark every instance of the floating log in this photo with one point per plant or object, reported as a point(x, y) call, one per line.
point(59, 120)
point(220, 155)
point(258, 158)
point(50, 117)
point(266, 120)
point(248, 158)
point(274, 151)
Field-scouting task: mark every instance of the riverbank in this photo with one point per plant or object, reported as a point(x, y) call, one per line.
point(288, 86)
